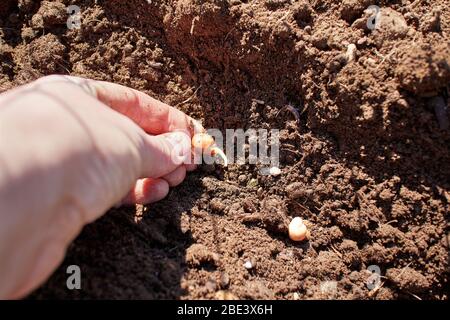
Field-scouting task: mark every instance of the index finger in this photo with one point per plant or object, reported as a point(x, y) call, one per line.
point(153, 116)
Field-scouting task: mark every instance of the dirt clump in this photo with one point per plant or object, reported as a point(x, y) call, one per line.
point(49, 14)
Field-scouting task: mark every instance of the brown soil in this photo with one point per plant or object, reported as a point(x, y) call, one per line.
point(368, 167)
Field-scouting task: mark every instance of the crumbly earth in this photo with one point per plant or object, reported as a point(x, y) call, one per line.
point(367, 165)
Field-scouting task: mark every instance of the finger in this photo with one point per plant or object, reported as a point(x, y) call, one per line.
point(147, 191)
point(164, 153)
point(176, 177)
point(154, 116)
point(190, 167)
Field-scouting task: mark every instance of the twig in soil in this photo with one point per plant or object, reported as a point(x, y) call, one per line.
point(343, 85)
point(394, 49)
point(316, 85)
point(336, 251)
point(296, 152)
point(386, 57)
point(293, 110)
point(229, 32)
point(414, 4)
point(258, 101)
point(377, 288)
point(303, 208)
point(415, 296)
point(392, 221)
point(92, 20)
point(196, 18)
point(190, 98)
point(64, 67)
point(156, 65)
point(298, 164)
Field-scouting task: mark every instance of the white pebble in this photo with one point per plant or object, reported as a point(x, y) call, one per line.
point(275, 171)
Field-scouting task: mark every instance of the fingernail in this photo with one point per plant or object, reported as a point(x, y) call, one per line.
point(181, 146)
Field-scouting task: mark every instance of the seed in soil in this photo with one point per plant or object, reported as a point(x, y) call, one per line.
point(297, 229)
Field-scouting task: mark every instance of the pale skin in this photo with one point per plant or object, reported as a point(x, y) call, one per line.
point(70, 149)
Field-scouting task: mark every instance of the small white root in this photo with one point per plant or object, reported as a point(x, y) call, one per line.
point(216, 151)
point(196, 18)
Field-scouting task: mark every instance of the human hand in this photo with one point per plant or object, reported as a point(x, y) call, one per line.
point(71, 148)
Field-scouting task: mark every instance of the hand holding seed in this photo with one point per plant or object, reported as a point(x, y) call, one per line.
point(204, 142)
point(88, 143)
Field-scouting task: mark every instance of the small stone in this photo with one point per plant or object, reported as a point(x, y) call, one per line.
point(249, 264)
point(260, 191)
point(275, 171)
point(248, 205)
point(224, 280)
point(252, 183)
point(242, 178)
point(361, 41)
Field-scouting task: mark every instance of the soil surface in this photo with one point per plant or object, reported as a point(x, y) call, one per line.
point(367, 165)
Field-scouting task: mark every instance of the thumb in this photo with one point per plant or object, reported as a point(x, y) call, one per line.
point(162, 154)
